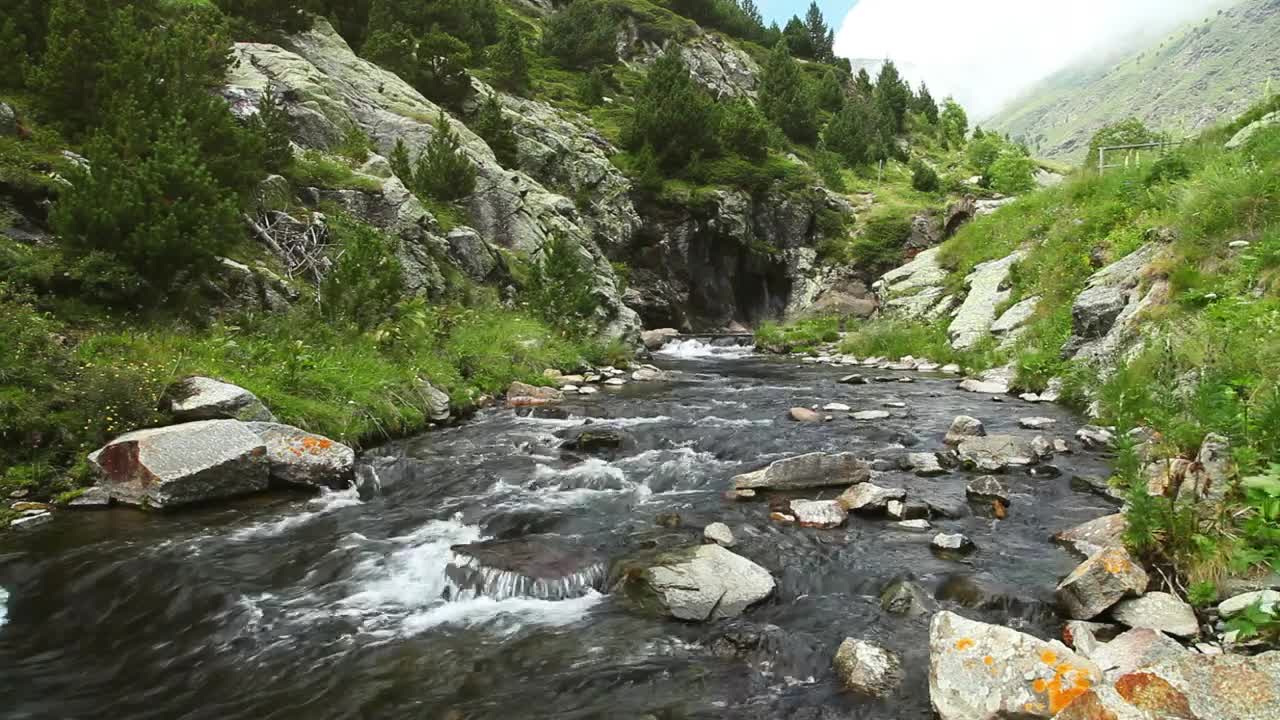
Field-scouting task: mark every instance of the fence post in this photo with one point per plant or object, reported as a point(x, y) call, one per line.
point(1102, 154)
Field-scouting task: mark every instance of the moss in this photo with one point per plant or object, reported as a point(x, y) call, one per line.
point(314, 168)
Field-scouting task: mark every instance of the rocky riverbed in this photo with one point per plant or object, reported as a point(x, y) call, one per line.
point(529, 564)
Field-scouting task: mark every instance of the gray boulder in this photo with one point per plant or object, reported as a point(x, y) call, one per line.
point(987, 488)
point(823, 514)
point(701, 583)
point(807, 471)
point(987, 290)
point(435, 400)
point(471, 254)
point(1095, 535)
point(1107, 577)
point(718, 533)
point(8, 120)
point(1248, 131)
point(297, 457)
point(903, 597)
point(202, 398)
point(865, 497)
point(182, 464)
point(963, 428)
point(1010, 325)
point(925, 464)
point(951, 543)
point(865, 667)
point(523, 394)
point(1134, 649)
point(987, 672)
point(1158, 611)
point(995, 453)
point(655, 339)
point(804, 415)
point(1104, 314)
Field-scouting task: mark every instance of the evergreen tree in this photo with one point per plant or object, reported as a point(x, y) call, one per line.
point(830, 91)
point(434, 64)
point(752, 11)
point(893, 96)
point(853, 132)
point(401, 165)
point(786, 98)
point(673, 115)
point(14, 47)
point(581, 35)
point(796, 35)
point(592, 87)
point(282, 15)
point(496, 129)
point(925, 105)
point(863, 85)
point(821, 37)
point(560, 286)
point(510, 61)
point(924, 178)
point(444, 171)
point(272, 124)
point(743, 130)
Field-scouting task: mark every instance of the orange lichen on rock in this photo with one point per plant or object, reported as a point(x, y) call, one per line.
point(1068, 683)
point(1115, 562)
point(1048, 657)
point(1086, 707)
point(964, 643)
point(1148, 691)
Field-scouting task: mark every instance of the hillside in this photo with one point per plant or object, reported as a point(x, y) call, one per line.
point(1210, 70)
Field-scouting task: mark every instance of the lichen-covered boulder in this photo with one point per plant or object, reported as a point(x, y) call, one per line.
point(867, 668)
point(182, 464)
point(806, 471)
point(964, 427)
point(823, 514)
point(202, 398)
point(995, 453)
point(1107, 577)
point(1158, 611)
point(522, 394)
point(865, 497)
point(297, 457)
point(987, 672)
point(704, 582)
point(1095, 535)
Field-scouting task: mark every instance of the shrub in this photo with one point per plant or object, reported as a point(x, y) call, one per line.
point(1013, 172)
point(924, 178)
point(433, 63)
point(953, 124)
point(800, 336)
point(830, 170)
point(743, 130)
point(879, 245)
point(444, 171)
point(496, 129)
point(853, 132)
point(271, 122)
point(560, 286)
point(673, 115)
point(592, 87)
point(510, 61)
point(366, 279)
point(1130, 131)
point(582, 34)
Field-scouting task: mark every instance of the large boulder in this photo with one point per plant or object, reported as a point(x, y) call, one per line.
point(546, 567)
point(471, 254)
point(598, 440)
point(987, 672)
point(1104, 314)
point(182, 464)
point(705, 582)
point(866, 497)
point(806, 471)
point(988, 289)
point(1107, 577)
point(656, 339)
point(995, 453)
point(297, 457)
point(523, 394)
point(1189, 686)
point(867, 668)
point(1248, 131)
point(202, 398)
point(1013, 322)
point(1095, 535)
point(823, 514)
point(1133, 649)
point(964, 427)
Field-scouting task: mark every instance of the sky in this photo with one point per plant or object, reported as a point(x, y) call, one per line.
point(987, 52)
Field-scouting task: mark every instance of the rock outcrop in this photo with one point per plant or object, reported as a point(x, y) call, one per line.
point(299, 458)
point(1104, 315)
point(806, 471)
point(988, 288)
point(705, 582)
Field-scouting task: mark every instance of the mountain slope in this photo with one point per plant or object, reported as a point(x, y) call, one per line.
point(1208, 71)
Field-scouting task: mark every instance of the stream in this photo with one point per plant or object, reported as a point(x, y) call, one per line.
point(339, 606)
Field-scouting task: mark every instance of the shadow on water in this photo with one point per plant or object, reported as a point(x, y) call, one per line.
point(337, 606)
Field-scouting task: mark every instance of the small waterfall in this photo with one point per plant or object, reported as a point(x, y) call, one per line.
point(471, 578)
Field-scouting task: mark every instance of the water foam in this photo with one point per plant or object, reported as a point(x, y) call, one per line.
point(480, 580)
point(696, 349)
point(327, 502)
point(4, 606)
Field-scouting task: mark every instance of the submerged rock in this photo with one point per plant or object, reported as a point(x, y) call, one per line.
point(807, 471)
point(867, 668)
point(706, 582)
point(597, 439)
point(925, 464)
point(297, 457)
point(182, 464)
point(546, 567)
point(867, 415)
point(987, 672)
point(986, 489)
point(202, 398)
point(903, 597)
point(1107, 577)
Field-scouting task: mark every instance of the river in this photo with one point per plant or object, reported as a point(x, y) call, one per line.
point(342, 607)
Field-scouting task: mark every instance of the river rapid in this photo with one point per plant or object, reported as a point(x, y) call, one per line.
point(343, 606)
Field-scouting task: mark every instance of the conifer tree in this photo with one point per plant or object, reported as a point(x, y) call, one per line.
point(497, 130)
point(786, 98)
point(444, 171)
point(673, 115)
point(925, 105)
point(401, 165)
point(821, 37)
point(893, 96)
point(510, 61)
point(830, 91)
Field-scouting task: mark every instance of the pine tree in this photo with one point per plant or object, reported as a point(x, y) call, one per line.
point(444, 171)
point(581, 35)
point(821, 38)
point(830, 92)
point(272, 124)
point(796, 35)
point(673, 115)
point(743, 130)
point(852, 133)
point(592, 87)
point(786, 98)
point(497, 130)
point(893, 96)
point(925, 105)
point(510, 61)
point(863, 85)
point(401, 165)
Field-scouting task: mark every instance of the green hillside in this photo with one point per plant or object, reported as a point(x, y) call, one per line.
point(1207, 71)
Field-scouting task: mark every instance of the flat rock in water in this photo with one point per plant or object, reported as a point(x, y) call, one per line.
point(866, 497)
point(836, 407)
point(987, 672)
point(819, 513)
point(963, 428)
point(182, 464)
point(297, 457)
point(1096, 535)
point(903, 597)
point(867, 668)
point(951, 543)
point(546, 567)
point(1158, 611)
point(598, 439)
point(994, 453)
point(202, 398)
point(853, 380)
point(1107, 577)
point(804, 415)
point(706, 582)
point(902, 510)
point(987, 488)
point(523, 394)
point(917, 525)
point(807, 471)
point(983, 387)
point(1037, 423)
point(925, 464)
point(1191, 685)
point(867, 415)
point(94, 498)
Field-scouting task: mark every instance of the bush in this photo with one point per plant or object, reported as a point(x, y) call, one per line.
point(271, 123)
point(444, 171)
point(592, 87)
point(433, 63)
point(879, 246)
point(582, 34)
point(853, 133)
point(510, 61)
point(1169, 168)
point(496, 129)
point(743, 130)
point(673, 115)
point(830, 170)
point(1013, 173)
point(560, 287)
point(1130, 131)
point(366, 280)
point(924, 178)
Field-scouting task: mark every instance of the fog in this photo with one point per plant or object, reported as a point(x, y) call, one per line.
point(987, 52)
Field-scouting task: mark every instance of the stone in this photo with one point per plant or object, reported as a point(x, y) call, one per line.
point(1084, 637)
point(963, 428)
point(853, 380)
point(1107, 577)
point(1098, 486)
point(718, 533)
point(984, 388)
point(1187, 686)
point(471, 254)
point(823, 514)
point(904, 597)
point(1042, 447)
point(32, 520)
point(701, 583)
point(1211, 476)
point(1268, 599)
point(916, 525)
point(649, 374)
point(436, 402)
point(865, 667)
point(1096, 535)
point(1103, 315)
point(1061, 447)
point(987, 672)
point(925, 464)
point(202, 398)
point(865, 497)
point(1242, 137)
point(1133, 649)
point(806, 471)
point(987, 290)
point(588, 390)
point(598, 440)
point(902, 510)
point(995, 453)
point(1037, 423)
point(522, 394)
point(297, 457)
point(1093, 437)
point(804, 415)
point(836, 407)
point(8, 120)
point(1011, 325)
point(1158, 611)
point(181, 464)
point(951, 543)
point(93, 498)
point(615, 382)
point(657, 339)
point(869, 415)
point(986, 489)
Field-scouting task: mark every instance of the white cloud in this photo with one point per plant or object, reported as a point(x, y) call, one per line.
point(985, 52)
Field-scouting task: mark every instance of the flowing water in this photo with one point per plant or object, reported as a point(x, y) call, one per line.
point(342, 606)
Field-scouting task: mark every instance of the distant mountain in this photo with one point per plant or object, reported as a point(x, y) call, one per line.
point(1208, 70)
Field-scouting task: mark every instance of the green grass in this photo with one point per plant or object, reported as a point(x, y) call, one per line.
point(314, 168)
point(800, 336)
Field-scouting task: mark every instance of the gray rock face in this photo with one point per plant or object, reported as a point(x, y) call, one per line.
point(865, 497)
point(1104, 314)
point(436, 401)
point(1248, 131)
point(471, 254)
point(202, 398)
point(867, 668)
point(297, 457)
point(1094, 536)
point(182, 464)
point(807, 471)
point(987, 290)
point(720, 67)
point(701, 583)
point(1009, 326)
point(995, 453)
point(1107, 577)
point(925, 464)
point(236, 287)
point(1158, 611)
point(963, 428)
point(913, 289)
point(1134, 649)
point(987, 672)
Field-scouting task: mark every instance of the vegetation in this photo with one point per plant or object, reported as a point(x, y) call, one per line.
point(801, 336)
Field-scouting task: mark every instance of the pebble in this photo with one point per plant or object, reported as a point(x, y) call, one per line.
point(718, 533)
point(836, 407)
point(870, 415)
point(917, 525)
point(951, 542)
